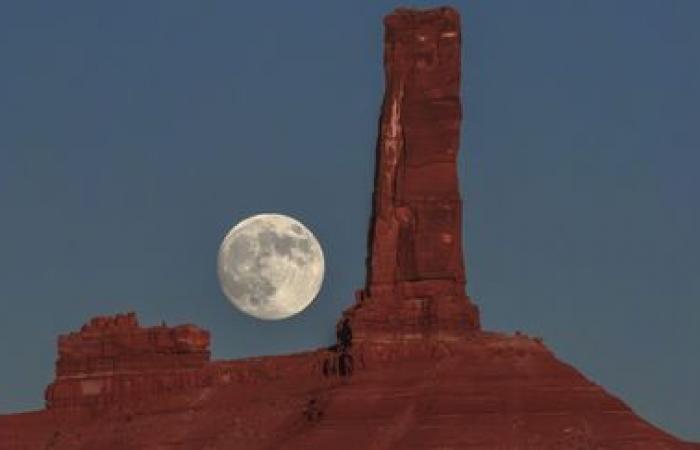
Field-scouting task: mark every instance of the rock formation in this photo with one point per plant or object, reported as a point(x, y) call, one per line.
point(411, 368)
point(113, 358)
point(415, 272)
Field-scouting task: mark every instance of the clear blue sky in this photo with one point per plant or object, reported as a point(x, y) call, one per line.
point(133, 134)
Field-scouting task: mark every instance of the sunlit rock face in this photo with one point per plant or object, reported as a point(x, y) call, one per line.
point(488, 391)
point(411, 369)
point(415, 269)
point(114, 358)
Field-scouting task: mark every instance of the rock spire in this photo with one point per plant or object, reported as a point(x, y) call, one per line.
point(415, 269)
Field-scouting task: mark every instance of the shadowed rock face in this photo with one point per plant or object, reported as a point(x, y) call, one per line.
point(411, 368)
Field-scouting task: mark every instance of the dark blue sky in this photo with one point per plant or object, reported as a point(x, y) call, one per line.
point(133, 134)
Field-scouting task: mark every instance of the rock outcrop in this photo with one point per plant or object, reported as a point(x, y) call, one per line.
point(411, 368)
point(113, 358)
point(487, 391)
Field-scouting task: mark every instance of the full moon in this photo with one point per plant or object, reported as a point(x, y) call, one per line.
point(270, 266)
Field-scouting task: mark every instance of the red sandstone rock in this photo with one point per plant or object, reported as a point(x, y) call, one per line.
point(113, 358)
point(416, 281)
point(410, 370)
point(489, 391)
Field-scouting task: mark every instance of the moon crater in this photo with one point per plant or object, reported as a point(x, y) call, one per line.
point(270, 266)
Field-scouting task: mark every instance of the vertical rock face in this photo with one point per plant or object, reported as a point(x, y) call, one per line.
point(113, 357)
point(415, 273)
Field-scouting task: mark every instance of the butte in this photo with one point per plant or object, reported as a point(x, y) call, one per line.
point(411, 368)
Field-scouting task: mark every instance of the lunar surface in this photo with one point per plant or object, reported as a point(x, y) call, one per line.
point(270, 266)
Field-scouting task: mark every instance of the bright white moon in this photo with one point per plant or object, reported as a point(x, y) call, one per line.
point(270, 266)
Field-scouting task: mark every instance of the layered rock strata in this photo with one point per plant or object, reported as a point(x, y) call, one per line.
point(410, 370)
point(489, 391)
point(113, 358)
point(415, 270)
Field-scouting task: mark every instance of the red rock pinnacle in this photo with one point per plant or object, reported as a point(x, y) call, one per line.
point(411, 370)
point(415, 272)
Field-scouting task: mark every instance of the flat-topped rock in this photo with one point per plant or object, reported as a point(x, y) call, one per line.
point(112, 356)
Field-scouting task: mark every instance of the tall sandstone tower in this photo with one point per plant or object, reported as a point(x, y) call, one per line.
point(411, 370)
point(415, 269)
